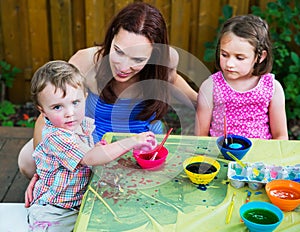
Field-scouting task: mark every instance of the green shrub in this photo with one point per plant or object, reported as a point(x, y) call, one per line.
point(7, 76)
point(283, 17)
point(6, 110)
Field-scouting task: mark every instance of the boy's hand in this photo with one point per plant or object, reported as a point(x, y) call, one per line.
point(146, 141)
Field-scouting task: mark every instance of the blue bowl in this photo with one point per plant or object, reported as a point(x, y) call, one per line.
point(236, 145)
point(261, 216)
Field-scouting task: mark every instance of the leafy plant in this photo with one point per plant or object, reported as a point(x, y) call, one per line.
point(10, 115)
point(6, 110)
point(283, 17)
point(26, 121)
point(7, 76)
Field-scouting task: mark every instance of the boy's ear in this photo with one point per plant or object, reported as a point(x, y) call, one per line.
point(41, 111)
point(263, 56)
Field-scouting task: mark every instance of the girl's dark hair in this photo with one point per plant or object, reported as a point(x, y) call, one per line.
point(142, 19)
point(256, 31)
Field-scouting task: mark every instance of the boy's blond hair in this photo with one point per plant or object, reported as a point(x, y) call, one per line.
point(58, 73)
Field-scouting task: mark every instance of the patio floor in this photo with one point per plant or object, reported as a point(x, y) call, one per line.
point(13, 183)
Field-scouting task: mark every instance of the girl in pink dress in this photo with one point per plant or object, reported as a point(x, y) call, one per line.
point(243, 91)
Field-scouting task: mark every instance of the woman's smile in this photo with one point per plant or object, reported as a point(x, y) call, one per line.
point(123, 74)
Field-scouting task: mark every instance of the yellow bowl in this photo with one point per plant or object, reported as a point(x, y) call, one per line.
point(201, 169)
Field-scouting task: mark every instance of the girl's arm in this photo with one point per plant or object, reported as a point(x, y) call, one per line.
point(103, 154)
point(204, 108)
point(277, 114)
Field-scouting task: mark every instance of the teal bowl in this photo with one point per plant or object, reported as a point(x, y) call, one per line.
point(261, 216)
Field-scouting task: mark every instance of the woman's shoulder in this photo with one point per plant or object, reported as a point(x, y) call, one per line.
point(86, 52)
point(84, 59)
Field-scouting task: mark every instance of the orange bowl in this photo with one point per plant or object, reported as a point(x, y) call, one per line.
point(284, 193)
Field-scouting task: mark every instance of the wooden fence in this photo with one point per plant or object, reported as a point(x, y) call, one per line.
point(33, 32)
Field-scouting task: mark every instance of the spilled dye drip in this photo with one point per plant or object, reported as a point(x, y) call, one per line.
point(202, 187)
point(42, 225)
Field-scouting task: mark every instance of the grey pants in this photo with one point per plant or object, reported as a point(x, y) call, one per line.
point(48, 218)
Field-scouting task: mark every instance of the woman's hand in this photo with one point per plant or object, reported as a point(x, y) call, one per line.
point(29, 190)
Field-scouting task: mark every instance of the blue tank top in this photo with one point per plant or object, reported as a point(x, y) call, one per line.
point(118, 117)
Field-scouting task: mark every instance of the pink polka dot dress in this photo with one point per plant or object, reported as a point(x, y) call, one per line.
point(246, 112)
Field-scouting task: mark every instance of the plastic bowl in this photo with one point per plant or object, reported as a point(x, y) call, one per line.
point(207, 167)
point(261, 216)
point(239, 153)
point(284, 193)
point(143, 159)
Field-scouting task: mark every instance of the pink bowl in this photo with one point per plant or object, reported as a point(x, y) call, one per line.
point(143, 158)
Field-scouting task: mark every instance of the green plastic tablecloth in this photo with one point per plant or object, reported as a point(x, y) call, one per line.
point(123, 197)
